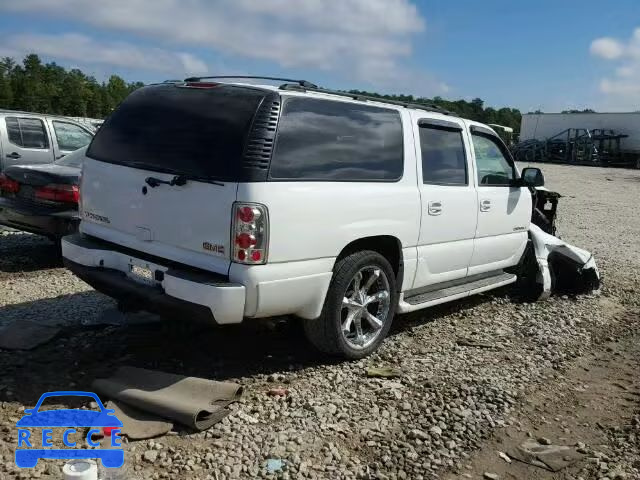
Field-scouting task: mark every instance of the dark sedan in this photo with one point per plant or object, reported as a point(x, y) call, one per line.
point(42, 199)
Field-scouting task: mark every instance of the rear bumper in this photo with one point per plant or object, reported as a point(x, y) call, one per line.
point(180, 292)
point(38, 220)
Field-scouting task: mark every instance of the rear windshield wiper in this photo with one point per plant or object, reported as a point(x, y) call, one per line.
point(177, 180)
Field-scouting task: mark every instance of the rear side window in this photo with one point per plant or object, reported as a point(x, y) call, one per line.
point(444, 161)
point(198, 132)
point(27, 132)
point(337, 141)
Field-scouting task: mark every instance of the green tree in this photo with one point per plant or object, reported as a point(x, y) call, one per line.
point(50, 88)
point(6, 92)
point(117, 90)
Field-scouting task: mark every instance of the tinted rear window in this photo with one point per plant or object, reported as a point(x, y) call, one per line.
point(337, 141)
point(199, 132)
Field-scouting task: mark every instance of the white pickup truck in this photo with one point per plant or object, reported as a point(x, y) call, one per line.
point(226, 201)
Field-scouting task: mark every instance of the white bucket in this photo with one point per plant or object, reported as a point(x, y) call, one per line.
point(80, 470)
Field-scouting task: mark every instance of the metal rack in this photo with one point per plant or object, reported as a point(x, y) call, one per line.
point(579, 146)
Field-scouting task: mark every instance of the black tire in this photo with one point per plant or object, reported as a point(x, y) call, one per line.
point(325, 332)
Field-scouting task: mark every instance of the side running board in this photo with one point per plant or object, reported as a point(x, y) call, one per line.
point(454, 292)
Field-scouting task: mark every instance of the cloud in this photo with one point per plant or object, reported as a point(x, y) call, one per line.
point(608, 48)
point(84, 50)
point(369, 40)
point(622, 86)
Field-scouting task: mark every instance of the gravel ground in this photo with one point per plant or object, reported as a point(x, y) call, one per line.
point(435, 421)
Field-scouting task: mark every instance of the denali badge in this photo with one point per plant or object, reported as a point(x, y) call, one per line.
point(219, 249)
point(96, 218)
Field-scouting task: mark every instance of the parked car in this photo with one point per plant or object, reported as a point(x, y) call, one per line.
point(42, 198)
point(31, 138)
point(225, 201)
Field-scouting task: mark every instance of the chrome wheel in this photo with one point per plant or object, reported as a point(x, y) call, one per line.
point(365, 307)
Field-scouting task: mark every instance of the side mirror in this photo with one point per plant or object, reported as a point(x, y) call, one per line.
point(532, 177)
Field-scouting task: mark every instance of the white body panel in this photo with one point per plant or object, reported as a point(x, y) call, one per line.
point(546, 125)
point(296, 288)
point(504, 215)
point(170, 222)
point(448, 222)
point(310, 220)
point(502, 228)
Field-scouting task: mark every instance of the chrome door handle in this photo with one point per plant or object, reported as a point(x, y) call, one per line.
point(485, 205)
point(435, 207)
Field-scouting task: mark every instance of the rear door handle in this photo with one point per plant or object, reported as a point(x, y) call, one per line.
point(14, 155)
point(485, 205)
point(435, 207)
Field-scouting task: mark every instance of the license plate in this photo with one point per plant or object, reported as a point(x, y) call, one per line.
point(142, 274)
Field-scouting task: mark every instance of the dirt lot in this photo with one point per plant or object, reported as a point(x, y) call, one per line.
point(565, 369)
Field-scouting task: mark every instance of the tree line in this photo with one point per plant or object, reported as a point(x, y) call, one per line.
point(49, 88)
point(34, 86)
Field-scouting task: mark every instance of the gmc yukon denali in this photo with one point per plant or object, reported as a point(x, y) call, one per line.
point(215, 200)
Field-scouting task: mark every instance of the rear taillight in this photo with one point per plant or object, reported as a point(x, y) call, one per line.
point(8, 185)
point(250, 233)
point(58, 193)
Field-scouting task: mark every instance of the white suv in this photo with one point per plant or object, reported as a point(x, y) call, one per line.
point(225, 201)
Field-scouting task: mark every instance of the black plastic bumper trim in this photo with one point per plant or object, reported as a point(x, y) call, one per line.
point(136, 296)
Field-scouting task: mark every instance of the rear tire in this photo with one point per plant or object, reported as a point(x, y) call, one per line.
point(358, 309)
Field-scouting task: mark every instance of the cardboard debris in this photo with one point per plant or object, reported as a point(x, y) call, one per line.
point(138, 425)
point(196, 403)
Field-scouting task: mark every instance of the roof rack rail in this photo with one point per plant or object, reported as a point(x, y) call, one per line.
point(302, 83)
point(357, 96)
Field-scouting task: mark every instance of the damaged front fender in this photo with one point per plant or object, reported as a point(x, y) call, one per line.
point(562, 268)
